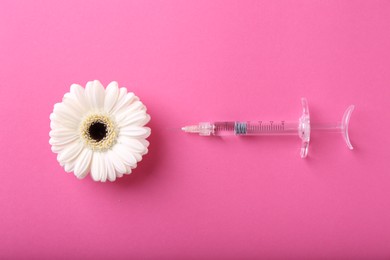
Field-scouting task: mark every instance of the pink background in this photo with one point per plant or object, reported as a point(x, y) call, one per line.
point(192, 61)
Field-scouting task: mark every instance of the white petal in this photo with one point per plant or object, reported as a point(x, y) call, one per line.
point(145, 142)
point(128, 169)
point(125, 154)
point(63, 140)
point(83, 163)
point(98, 168)
point(58, 120)
point(95, 173)
point(135, 106)
point(94, 93)
point(58, 148)
point(119, 166)
point(64, 113)
point(72, 103)
point(121, 96)
point(70, 153)
point(124, 102)
point(78, 91)
point(103, 168)
point(145, 121)
point(133, 144)
point(62, 133)
point(135, 131)
point(69, 166)
point(79, 94)
point(136, 109)
point(135, 118)
point(57, 125)
point(110, 168)
point(112, 93)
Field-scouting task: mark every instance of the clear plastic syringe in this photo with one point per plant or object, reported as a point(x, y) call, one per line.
point(302, 128)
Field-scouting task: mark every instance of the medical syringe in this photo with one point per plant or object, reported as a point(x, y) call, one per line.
point(302, 128)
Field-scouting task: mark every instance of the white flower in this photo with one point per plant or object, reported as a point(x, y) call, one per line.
point(99, 130)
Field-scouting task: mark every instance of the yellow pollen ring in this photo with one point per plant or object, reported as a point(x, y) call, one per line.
point(110, 137)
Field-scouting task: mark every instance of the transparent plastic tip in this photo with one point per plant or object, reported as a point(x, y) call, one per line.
point(204, 128)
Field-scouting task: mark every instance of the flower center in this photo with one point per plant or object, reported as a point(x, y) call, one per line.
point(99, 132)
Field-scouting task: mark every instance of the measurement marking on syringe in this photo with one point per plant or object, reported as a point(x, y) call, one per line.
point(268, 126)
point(248, 127)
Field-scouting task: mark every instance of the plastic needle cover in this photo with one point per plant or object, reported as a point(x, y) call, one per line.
point(302, 128)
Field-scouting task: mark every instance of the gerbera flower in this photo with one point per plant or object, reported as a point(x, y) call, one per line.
point(99, 130)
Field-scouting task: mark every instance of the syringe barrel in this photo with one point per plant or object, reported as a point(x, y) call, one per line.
point(255, 128)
